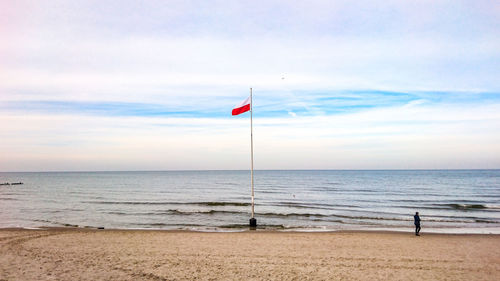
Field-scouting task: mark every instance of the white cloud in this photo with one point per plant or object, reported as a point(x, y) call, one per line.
point(188, 55)
point(146, 69)
point(421, 136)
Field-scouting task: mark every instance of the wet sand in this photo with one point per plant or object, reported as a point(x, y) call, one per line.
point(88, 254)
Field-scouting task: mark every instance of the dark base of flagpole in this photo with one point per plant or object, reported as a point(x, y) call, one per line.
point(253, 223)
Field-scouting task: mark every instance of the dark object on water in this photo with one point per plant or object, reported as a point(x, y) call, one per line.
point(253, 223)
point(100, 227)
point(70, 225)
point(12, 183)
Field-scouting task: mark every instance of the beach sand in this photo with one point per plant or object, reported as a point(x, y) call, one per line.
point(87, 254)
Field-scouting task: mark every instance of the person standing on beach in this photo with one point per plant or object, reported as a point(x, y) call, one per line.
point(416, 219)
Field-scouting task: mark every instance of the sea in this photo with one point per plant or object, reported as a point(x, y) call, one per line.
point(449, 201)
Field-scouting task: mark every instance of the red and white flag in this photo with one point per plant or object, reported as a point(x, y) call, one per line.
point(244, 106)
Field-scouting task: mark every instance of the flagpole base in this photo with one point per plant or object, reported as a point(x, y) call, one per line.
point(253, 223)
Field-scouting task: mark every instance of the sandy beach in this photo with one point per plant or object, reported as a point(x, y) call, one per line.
point(87, 254)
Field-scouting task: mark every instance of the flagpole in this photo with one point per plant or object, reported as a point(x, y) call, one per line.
point(253, 221)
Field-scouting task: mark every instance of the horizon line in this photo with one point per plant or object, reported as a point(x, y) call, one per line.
point(240, 170)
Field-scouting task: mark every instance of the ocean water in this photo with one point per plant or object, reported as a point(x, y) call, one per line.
point(313, 200)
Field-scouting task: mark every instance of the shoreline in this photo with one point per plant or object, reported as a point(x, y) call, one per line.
point(300, 231)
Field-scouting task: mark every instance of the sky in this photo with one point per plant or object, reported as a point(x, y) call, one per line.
point(150, 85)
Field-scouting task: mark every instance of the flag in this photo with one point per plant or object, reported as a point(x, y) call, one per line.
point(244, 106)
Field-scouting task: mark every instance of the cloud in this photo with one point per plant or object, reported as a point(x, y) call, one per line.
point(420, 136)
point(124, 85)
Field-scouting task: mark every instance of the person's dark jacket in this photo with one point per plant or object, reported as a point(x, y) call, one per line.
point(417, 219)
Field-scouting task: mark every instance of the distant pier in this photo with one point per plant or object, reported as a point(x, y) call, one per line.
point(12, 183)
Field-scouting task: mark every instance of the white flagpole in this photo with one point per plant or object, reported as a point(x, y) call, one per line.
point(253, 221)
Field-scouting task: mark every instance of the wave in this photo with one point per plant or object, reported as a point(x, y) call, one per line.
point(335, 218)
point(317, 206)
point(457, 206)
point(222, 203)
point(308, 216)
point(314, 216)
point(260, 226)
point(208, 212)
point(59, 223)
point(312, 205)
point(213, 212)
point(291, 215)
point(159, 224)
point(271, 191)
point(466, 206)
point(174, 212)
point(10, 193)
point(227, 183)
point(238, 204)
point(486, 221)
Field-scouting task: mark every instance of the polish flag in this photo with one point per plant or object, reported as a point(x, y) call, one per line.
point(244, 106)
